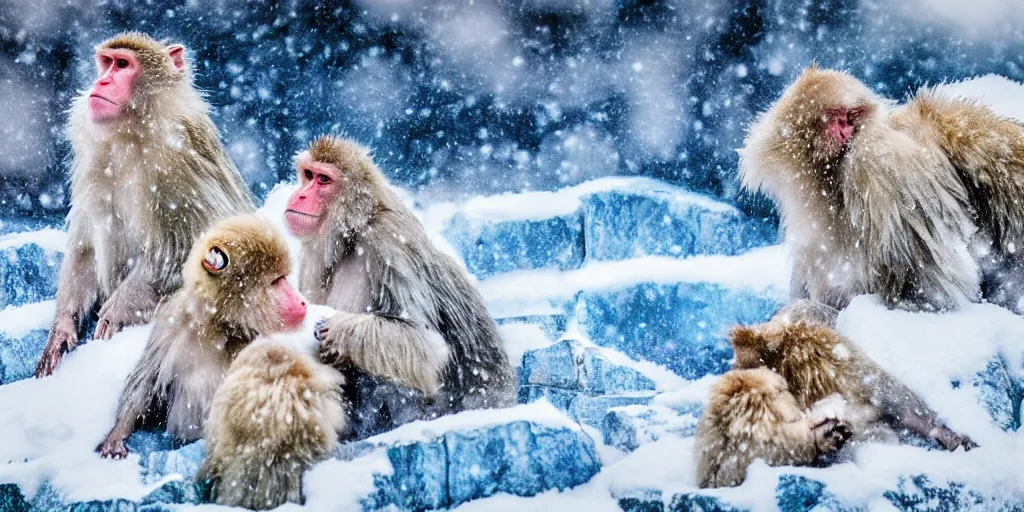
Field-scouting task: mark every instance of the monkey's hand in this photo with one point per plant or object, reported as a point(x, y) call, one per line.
point(130, 304)
point(63, 338)
point(830, 435)
point(389, 347)
point(112, 447)
point(951, 440)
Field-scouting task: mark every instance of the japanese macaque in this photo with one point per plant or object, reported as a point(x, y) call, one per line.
point(406, 312)
point(752, 415)
point(277, 414)
point(918, 203)
point(149, 176)
point(818, 363)
point(234, 290)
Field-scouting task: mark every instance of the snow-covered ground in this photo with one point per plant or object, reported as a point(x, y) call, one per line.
point(633, 310)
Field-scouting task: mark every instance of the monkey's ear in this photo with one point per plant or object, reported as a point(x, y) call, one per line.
point(743, 336)
point(177, 53)
point(216, 260)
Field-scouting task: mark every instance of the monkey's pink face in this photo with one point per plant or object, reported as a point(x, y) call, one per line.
point(118, 70)
point(842, 123)
point(290, 303)
point(318, 186)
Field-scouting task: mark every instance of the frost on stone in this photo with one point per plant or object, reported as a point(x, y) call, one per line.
point(600, 220)
point(158, 463)
point(666, 221)
point(680, 326)
point(629, 427)
point(519, 458)
point(581, 381)
point(919, 493)
point(28, 273)
point(19, 355)
point(490, 248)
point(1000, 393)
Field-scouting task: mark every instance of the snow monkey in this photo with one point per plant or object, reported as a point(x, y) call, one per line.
point(752, 415)
point(233, 290)
point(817, 363)
point(277, 414)
point(149, 175)
point(406, 312)
point(919, 203)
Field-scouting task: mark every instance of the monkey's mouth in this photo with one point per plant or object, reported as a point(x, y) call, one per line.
point(296, 212)
point(301, 224)
point(97, 96)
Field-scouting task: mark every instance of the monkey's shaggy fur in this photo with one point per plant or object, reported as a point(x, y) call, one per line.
point(752, 415)
point(143, 188)
point(201, 328)
point(817, 362)
point(919, 206)
point(406, 311)
point(277, 414)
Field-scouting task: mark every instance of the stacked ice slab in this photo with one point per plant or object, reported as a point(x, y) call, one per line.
point(633, 284)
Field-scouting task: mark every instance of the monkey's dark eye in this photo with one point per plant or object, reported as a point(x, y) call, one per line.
point(122, 63)
point(215, 260)
point(308, 174)
point(323, 179)
point(105, 61)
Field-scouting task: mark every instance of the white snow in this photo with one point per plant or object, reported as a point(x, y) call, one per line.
point(49, 239)
point(545, 205)
point(52, 425)
point(761, 270)
point(18, 321)
point(1004, 96)
point(540, 412)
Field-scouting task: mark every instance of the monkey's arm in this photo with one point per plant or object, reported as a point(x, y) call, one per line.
point(77, 291)
point(391, 347)
point(140, 390)
point(132, 303)
point(904, 408)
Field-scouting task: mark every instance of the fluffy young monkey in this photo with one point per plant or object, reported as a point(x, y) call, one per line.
point(752, 415)
point(277, 414)
point(234, 290)
point(818, 363)
point(918, 203)
point(407, 312)
point(149, 176)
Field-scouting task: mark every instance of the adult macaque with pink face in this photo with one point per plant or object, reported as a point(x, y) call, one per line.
point(406, 312)
point(919, 203)
point(235, 289)
point(149, 175)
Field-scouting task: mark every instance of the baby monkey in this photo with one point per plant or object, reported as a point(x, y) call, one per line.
point(817, 363)
point(234, 290)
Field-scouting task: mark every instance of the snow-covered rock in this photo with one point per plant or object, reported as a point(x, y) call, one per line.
point(629, 427)
point(522, 451)
point(570, 365)
point(494, 247)
point(649, 218)
point(604, 219)
point(29, 267)
point(675, 313)
point(682, 326)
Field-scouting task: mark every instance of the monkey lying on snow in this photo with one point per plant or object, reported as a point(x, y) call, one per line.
point(752, 415)
point(234, 290)
point(821, 372)
point(919, 203)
